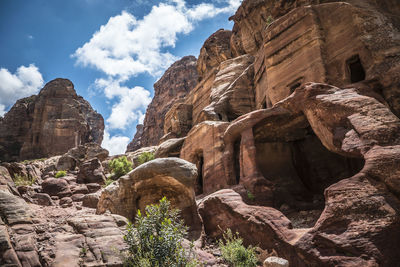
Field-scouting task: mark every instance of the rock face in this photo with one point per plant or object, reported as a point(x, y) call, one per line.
point(215, 50)
point(177, 81)
point(49, 124)
point(291, 137)
point(148, 183)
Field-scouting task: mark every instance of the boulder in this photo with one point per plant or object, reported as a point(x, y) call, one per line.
point(56, 187)
point(169, 148)
point(93, 187)
point(147, 184)
point(275, 262)
point(91, 200)
point(262, 226)
point(91, 171)
point(66, 202)
point(66, 163)
point(42, 199)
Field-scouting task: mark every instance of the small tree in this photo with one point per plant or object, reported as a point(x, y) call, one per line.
point(156, 238)
point(145, 157)
point(235, 253)
point(120, 166)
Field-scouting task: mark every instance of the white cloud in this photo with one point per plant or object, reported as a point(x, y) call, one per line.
point(25, 82)
point(2, 110)
point(126, 46)
point(116, 144)
point(131, 102)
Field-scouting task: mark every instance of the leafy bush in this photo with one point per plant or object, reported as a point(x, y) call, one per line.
point(108, 182)
point(20, 180)
point(120, 166)
point(145, 157)
point(155, 240)
point(60, 174)
point(235, 253)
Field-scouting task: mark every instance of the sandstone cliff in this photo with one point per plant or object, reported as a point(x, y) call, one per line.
point(176, 82)
point(49, 123)
point(293, 128)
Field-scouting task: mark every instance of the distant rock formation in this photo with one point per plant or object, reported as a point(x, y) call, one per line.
point(176, 82)
point(49, 123)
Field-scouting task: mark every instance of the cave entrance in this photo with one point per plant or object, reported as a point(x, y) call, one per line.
point(301, 170)
point(199, 161)
point(356, 69)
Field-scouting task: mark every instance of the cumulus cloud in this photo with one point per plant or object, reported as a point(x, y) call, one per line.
point(115, 144)
point(131, 102)
point(25, 82)
point(126, 46)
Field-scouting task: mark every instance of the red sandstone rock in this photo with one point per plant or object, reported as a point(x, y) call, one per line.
point(177, 81)
point(215, 50)
point(164, 177)
point(49, 124)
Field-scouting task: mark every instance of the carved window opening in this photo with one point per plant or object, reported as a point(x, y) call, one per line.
point(37, 139)
point(356, 69)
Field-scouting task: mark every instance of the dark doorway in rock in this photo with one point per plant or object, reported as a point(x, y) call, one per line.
point(294, 86)
point(264, 104)
point(356, 69)
point(200, 169)
point(301, 170)
point(237, 160)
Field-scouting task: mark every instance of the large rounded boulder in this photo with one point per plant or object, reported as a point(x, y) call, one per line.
point(173, 178)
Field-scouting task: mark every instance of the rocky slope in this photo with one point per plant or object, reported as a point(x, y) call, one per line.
point(291, 137)
point(296, 119)
point(173, 86)
point(49, 124)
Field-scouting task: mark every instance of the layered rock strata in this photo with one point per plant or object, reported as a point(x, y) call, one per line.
point(176, 82)
point(49, 124)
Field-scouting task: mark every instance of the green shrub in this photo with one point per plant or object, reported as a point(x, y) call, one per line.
point(235, 253)
point(108, 182)
point(155, 240)
point(250, 196)
point(120, 166)
point(60, 174)
point(20, 180)
point(270, 19)
point(145, 157)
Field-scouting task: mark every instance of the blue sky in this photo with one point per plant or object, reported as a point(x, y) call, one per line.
point(112, 50)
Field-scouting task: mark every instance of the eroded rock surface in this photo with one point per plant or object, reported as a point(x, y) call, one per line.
point(170, 177)
point(49, 124)
point(176, 82)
